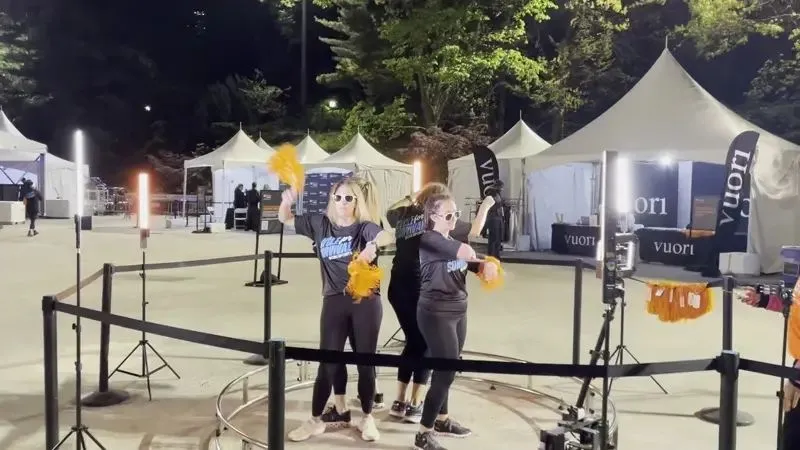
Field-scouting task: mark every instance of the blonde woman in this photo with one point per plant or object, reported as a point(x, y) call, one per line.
point(343, 230)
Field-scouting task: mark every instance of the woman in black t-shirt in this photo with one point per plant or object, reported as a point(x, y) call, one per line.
point(407, 219)
point(345, 229)
point(442, 311)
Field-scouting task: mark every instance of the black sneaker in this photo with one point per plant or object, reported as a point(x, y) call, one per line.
point(398, 410)
point(426, 441)
point(450, 427)
point(334, 419)
point(413, 413)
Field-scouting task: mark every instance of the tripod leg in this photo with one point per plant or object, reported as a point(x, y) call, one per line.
point(625, 349)
point(146, 371)
point(62, 441)
point(81, 444)
point(124, 360)
point(617, 358)
point(94, 439)
point(163, 360)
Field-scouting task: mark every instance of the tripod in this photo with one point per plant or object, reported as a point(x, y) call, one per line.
point(621, 350)
point(80, 430)
point(143, 343)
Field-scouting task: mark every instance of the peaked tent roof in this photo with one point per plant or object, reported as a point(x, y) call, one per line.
point(667, 113)
point(240, 150)
point(310, 152)
point(360, 152)
point(12, 139)
point(518, 142)
point(263, 144)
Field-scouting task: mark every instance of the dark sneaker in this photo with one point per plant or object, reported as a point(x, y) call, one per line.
point(379, 401)
point(426, 441)
point(334, 419)
point(413, 413)
point(450, 428)
point(398, 410)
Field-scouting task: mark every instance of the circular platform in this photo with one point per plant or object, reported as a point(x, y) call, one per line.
point(498, 413)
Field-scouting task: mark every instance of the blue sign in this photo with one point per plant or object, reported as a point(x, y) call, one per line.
point(654, 188)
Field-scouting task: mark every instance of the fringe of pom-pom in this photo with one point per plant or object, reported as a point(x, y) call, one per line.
point(364, 279)
point(497, 282)
point(285, 164)
point(678, 302)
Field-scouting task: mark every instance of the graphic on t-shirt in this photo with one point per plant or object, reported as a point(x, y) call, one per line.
point(456, 265)
point(409, 228)
point(336, 247)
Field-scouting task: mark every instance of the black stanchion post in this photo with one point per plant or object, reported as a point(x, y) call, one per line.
point(261, 360)
point(576, 312)
point(276, 406)
point(713, 415)
point(729, 369)
point(50, 371)
point(255, 258)
point(105, 396)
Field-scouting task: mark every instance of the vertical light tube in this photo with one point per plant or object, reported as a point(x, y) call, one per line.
point(417, 176)
point(79, 149)
point(144, 201)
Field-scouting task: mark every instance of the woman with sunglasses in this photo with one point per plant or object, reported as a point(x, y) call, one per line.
point(442, 311)
point(407, 219)
point(345, 229)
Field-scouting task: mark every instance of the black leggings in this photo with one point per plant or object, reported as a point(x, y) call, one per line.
point(445, 334)
point(404, 300)
point(791, 429)
point(340, 377)
point(32, 216)
point(495, 230)
point(339, 315)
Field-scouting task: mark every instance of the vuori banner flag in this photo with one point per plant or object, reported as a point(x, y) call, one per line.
point(733, 195)
point(487, 168)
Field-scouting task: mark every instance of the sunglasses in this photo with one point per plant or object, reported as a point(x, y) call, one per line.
point(346, 198)
point(450, 216)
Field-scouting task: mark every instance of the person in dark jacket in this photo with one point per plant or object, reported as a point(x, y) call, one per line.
point(253, 210)
point(495, 221)
point(32, 199)
point(239, 199)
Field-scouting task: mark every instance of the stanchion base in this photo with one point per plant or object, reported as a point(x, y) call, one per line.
point(273, 280)
point(101, 399)
point(205, 230)
point(711, 415)
point(256, 360)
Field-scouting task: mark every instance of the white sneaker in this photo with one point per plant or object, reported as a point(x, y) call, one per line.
point(309, 428)
point(368, 429)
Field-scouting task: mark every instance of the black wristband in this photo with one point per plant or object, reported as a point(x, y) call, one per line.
point(763, 301)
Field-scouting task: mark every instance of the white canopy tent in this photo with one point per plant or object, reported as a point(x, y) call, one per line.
point(263, 144)
point(310, 152)
point(238, 161)
point(510, 149)
point(393, 178)
point(667, 114)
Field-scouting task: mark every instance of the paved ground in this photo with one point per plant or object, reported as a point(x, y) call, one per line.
point(530, 319)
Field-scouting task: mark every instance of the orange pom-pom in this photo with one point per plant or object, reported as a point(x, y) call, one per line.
point(498, 281)
point(286, 165)
point(364, 279)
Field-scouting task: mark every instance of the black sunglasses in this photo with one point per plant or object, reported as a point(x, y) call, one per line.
point(347, 198)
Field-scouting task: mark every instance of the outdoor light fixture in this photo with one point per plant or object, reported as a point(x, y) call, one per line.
point(79, 148)
point(416, 184)
point(144, 209)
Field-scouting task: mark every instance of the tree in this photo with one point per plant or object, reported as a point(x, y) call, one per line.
point(16, 59)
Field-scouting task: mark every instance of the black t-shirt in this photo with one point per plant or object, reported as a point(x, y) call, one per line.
point(335, 247)
point(409, 224)
point(443, 286)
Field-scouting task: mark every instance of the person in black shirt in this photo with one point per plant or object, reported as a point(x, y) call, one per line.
point(495, 222)
point(239, 199)
point(343, 230)
point(407, 218)
point(32, 197)
point(253, 211)
point(442, 311)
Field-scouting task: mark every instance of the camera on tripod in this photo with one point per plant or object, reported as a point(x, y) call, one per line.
point(625, 259)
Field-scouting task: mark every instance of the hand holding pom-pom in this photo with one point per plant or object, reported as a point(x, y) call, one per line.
point(286, 165)
point(491, 274)
point(364, 279)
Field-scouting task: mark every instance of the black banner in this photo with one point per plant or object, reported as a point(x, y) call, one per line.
point(654, 189)
point(317, 190)
point(487, 168)
point(729, 211)
point(576, 240)
point(270, 203)
point(706, 181)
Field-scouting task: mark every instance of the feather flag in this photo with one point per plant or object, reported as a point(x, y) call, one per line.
point(286, 165)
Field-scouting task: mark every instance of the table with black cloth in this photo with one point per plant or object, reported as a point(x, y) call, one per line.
point(673, 246)
point(578, 240)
